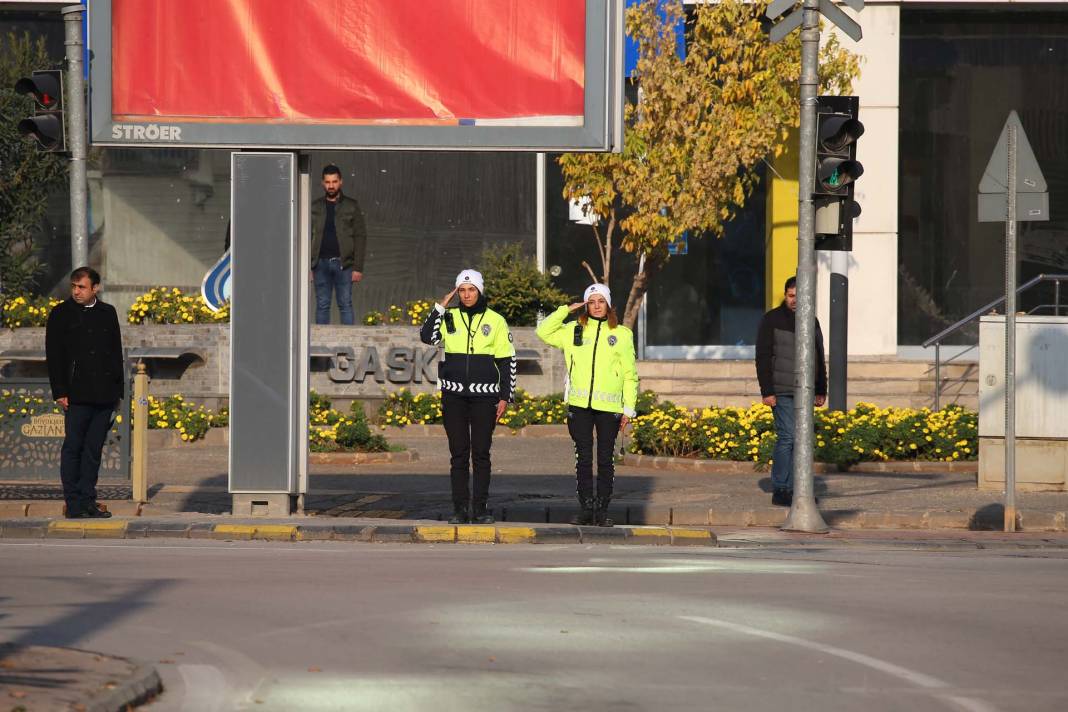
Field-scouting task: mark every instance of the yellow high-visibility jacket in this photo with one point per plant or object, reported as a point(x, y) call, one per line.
point(601, 370)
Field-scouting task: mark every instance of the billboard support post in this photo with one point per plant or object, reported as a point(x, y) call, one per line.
point(76, 136)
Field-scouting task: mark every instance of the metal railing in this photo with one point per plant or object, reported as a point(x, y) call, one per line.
point(941, 336)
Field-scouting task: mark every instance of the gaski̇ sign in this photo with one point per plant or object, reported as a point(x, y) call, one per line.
point(401, 364)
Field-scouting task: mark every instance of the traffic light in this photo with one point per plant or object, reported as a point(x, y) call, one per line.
point(836, 171)
point(46, 124)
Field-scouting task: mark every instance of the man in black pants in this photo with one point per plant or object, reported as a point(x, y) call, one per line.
point(83, 346)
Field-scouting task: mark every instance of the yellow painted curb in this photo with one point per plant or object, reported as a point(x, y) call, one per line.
point(436, 534)
point(691, 536)
point(468, 534)
point(660, 533)
point(515, 535)
point(233, 531)
point(80, 525)
point(90, 528)
point(283, 532)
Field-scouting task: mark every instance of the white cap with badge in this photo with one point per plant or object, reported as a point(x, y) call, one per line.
point(470, 276)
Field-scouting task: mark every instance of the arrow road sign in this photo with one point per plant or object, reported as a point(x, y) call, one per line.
point(845, 23)
point(792, 21)
point(778, 7)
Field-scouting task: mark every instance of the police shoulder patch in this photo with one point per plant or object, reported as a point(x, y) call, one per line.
point(509, 337)
point(612, 340)
point(486, 329)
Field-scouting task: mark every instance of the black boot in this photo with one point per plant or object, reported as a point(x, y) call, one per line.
point(459, 515)
point(481, 515)
point(782, 497)
point(600, 516)
point(587, 515)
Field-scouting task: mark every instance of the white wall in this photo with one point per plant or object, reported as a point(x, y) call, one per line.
point(873, 262)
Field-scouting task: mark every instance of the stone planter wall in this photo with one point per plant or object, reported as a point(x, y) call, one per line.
point(376, 360)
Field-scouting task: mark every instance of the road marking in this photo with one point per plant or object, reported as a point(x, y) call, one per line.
point(205, 688)
point(913, 677)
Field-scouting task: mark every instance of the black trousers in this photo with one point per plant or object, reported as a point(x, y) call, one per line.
point(469, 423)
point(86, 428)
point(581, 424)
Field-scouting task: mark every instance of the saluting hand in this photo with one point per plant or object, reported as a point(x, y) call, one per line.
point(576, 306)
point(448, 298)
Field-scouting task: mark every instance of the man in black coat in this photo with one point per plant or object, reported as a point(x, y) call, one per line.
point(775, 373)
point(83, 346)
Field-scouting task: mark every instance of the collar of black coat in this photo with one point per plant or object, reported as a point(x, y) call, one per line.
point(476, 308)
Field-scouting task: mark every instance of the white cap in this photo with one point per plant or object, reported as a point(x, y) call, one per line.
point(598, 289)
point(470, 276)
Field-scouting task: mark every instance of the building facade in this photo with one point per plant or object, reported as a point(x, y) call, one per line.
point(937, 83)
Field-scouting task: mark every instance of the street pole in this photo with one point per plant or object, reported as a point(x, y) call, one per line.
point(1010, 338)
point(804, 516)
point(839, 351)
point(76, 136)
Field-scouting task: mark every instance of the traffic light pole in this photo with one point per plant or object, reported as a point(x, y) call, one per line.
point(804, 516)
point(76, 136)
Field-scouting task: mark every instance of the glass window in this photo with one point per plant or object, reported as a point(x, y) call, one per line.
point(962, 71)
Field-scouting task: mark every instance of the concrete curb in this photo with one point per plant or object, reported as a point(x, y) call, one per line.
point(16, 515)
point(743, 467)
point(139, 688)
point(392, 532)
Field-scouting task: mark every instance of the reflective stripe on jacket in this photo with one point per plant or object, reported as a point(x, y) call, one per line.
point(601, 372)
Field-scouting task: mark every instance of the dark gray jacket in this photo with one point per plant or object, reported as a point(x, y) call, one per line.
point(775, 354)
point(350, 227)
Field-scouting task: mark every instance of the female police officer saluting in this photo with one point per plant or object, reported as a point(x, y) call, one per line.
point(477, 380)
point(601, 392)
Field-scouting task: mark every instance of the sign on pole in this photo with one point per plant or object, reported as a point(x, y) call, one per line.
point(1032, 198)
point(1012, 181)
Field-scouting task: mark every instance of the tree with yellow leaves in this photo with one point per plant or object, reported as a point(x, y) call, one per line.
point(700, 127)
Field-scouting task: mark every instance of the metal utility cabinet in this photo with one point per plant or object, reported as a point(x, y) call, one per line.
point(1041, 403)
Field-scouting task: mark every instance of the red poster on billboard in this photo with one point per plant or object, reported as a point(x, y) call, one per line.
point(349, 61)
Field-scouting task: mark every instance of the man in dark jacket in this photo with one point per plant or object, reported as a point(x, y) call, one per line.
point(83, 346)
point(338, 247)
point(775, 372)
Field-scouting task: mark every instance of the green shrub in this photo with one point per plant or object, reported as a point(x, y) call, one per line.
point(515, 288)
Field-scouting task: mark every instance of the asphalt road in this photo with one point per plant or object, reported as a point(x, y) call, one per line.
point(322, 626)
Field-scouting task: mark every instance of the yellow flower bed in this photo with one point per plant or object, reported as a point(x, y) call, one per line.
point(169, 305)
point(863, 434)
point(402, 407)
point(22, 311)
point(413, 313)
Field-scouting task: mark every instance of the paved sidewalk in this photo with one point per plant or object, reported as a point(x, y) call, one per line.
point(533, 483)
point(37, 677)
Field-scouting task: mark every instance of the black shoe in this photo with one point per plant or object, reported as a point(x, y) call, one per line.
point(587, 514)
point(74, 513)
point(782, 497)
point(459, 517)
point(95, 512)
point(600, 515)
point(480, 515)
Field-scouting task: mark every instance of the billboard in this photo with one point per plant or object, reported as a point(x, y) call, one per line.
point(359, 74)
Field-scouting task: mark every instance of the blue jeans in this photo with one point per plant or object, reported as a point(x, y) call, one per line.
point(331, 278)
point(782, 465)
